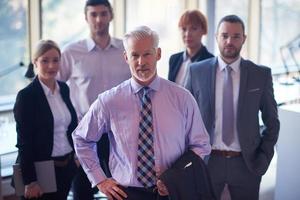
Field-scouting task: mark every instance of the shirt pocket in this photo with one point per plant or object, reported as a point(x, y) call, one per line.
point(253, 99)
point(125, 129)
point(82, 71)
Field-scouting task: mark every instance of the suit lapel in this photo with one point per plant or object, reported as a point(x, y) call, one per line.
point(243, 86)
point(63, 93)
point(72, 125)
point(212, 91)
point(177, 66)
point(202, 54)
point(44, 107)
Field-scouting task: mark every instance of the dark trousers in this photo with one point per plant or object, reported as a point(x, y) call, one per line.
point(242, 184)
point(135, 193)
point(64, 176)
point(81, 186)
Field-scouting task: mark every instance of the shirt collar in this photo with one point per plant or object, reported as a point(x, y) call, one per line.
point(113, 42)
point(185, 56)
point(136, 87)
point(200, 52)
point(47, 90)
point(92, 45)
point(235, 65)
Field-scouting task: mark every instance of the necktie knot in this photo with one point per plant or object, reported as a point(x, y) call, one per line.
point(145, 91)
point(228, 69)
point(145, 99)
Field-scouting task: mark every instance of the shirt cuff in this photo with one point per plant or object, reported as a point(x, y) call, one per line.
point(202, 152)
point(96, 176)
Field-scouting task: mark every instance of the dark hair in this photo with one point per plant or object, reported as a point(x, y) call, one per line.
point(98, 2)
point(232, 19)
point(195, 18)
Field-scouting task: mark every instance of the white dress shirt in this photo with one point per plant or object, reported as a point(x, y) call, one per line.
point(183, 70)
point(235, 73)
point(61, 119)
point(90, 70)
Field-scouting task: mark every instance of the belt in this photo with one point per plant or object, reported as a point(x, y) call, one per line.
point(227, 154)
point(152, 189)
point(63, 161)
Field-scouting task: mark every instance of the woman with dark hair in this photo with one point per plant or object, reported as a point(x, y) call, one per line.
point(45, 119)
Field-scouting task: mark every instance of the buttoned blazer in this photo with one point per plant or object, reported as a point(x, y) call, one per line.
point(176, 60)
point(255, 94)
point(34, 126)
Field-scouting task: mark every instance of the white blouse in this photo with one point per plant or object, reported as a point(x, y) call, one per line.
point(61, 119)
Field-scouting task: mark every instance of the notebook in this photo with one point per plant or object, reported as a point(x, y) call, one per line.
point(45, 173)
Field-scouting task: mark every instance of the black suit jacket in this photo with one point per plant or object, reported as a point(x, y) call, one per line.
point(255, 94)
point(34, 125)
point(176, 60)
point(188, 178)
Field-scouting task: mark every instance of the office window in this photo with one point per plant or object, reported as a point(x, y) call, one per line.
point(62, 24)
point(280, 33)
point(229, 7)
point(13, 56)
point(162, 16)
point(13, 46)
point(63, 21)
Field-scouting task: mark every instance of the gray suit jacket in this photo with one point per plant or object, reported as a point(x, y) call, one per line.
point(255, 94)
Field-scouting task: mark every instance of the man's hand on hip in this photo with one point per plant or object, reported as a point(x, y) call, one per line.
point(111, 189)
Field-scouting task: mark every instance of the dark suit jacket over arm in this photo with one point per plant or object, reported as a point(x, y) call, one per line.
point(188, 179)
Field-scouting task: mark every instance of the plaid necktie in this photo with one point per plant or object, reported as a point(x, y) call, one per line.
point(145, 154)
point(228, 115)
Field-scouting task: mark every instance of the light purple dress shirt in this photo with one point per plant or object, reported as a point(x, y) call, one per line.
point(177, 124)
point(90, 70)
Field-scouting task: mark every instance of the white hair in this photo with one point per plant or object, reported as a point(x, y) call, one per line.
point(141, 32)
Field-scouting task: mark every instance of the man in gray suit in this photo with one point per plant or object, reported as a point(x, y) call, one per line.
point(230, 92)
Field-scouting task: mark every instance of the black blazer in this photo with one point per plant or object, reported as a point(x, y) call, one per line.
point(188, 178)
point(176, 60)
point(34, 125)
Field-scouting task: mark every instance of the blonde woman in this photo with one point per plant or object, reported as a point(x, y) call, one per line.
point(45, 119)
